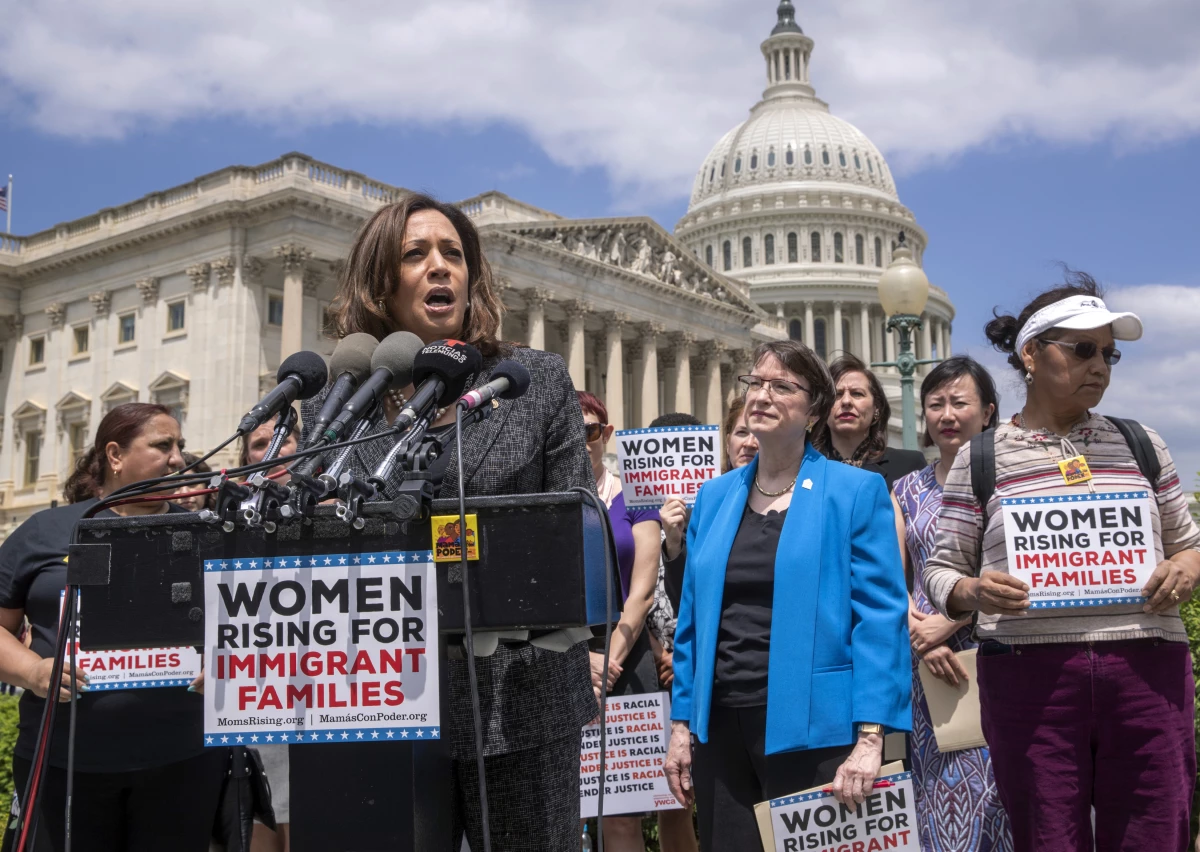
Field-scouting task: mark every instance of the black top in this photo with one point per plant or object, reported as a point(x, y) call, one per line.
point(744, 637)
point(117, 731)
point(895, 464)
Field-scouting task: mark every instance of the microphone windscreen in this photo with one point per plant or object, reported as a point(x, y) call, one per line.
point(454, 362)
point(517, 375)
point(307, 366)
point(353, 356)
point(396, 353)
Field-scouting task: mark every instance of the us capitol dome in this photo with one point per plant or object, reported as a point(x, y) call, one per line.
point(801, 206)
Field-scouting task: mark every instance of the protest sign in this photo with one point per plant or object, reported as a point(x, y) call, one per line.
point(816, 821)
point(636, 747)
point(141, 669)
point(1078, 550)
point(447, 537)
point(671, 461)
point(333, 647)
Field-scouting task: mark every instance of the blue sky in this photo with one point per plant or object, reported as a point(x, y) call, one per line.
point(1014, 149)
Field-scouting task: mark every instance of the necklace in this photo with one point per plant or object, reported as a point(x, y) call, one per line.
point(400, 400)
point(767, 493)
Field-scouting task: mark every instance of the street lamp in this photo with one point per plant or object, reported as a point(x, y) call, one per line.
point(903, 291)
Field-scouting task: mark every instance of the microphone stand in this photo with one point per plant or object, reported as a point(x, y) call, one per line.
point(309, 490)
point(252, 510)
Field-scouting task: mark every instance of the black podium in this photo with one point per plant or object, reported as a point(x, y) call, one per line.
point(541, 566)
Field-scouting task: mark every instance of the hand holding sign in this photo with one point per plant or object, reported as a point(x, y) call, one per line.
point(856, 776)
point(1172, 582)
point(37, 679)
point(992, 593)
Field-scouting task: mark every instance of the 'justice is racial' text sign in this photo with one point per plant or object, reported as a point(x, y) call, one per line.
point(333, 647)
point(671, 461)
point(636, 746)
point(1080, 550)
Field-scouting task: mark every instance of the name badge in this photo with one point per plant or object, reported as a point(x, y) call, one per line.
point(1075, 470)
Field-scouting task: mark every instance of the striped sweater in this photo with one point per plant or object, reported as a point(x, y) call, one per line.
point(1027, 464)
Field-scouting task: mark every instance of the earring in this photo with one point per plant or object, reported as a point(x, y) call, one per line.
point(1028, 379)
point(809, 427)
point(875, 419)
point(379, 304)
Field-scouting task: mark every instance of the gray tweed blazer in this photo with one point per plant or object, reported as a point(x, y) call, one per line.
point(534, 444)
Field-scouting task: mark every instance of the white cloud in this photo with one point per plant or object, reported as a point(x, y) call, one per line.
point(639, 89)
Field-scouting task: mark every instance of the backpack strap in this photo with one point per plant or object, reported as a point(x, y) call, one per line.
point(983, 468)
point(1139, 443)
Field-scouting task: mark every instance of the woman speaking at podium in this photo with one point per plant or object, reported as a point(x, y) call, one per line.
point(143, 779)
point(417, 266)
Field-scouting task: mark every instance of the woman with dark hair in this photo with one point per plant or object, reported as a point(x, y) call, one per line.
point(192, 462)
point(1085, 680)
point(857, 430)
point(417, 266)
point(143, 779)
point(782, 705)
point(957, 807)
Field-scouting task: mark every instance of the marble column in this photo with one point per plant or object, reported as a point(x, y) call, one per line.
point(614, 388)
point(810, 332)
point(949, 342)
point(535, 302)
point(683, 371)
point(864, 326)
point(294, 258)
point(648, 373)
point(926, 342)
point(714, 403)
point(839, 342)
point(576, 344)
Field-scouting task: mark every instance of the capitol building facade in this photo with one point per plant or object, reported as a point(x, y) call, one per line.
point(192, 296)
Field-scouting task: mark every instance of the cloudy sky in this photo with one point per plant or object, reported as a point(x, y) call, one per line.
point(1023, 133)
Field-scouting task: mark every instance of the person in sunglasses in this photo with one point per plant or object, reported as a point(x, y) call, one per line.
point(1084, 675)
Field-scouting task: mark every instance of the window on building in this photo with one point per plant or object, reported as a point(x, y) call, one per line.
point(857, 162)
point(747, 253)
point(793, 248)
point(712, 175)
point(846, 332)
point(274, 310)
point(727, 255)
point(708, 254)
point(33, 458)
point(787, 66)
point(737, 165)
point(80, 335)
point(807, 156)
point(796, 330)
point(870, 168)
point(176, 316)
point(825, 157)
point(769, 249)
point(815, 244)
point(842, 159)
point(77, 435)
point(879, 252)
point(838, 253)
point(858, 250)
point(127, 328)
point(790, 157)
point(771, 158)
point(37, 350)
point(722, 168)
point(819, 338)
point(754, 161)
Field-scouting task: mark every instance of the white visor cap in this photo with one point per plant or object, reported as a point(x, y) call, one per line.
point(1080, 313)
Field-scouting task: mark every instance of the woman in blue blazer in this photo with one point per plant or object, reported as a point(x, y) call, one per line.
point(763, 706)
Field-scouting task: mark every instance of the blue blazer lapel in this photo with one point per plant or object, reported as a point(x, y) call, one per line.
point(797, 587)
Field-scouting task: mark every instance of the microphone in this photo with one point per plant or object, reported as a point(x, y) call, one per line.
point(391, 367)
point(351, 364)
point(510, 380)
point(442, 371)
point(302, 375)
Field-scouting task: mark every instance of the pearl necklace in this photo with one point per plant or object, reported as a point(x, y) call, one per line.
point(400, 400)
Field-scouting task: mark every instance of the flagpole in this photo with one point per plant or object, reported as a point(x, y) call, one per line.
point(8, 208)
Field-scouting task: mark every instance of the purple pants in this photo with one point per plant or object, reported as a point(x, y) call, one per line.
point(1108, 725)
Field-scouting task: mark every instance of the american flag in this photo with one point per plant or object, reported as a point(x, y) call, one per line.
point(3, 198)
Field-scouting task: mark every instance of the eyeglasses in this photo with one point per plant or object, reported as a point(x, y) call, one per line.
point(776, 387)
point(593, 431)
point(1085, 350)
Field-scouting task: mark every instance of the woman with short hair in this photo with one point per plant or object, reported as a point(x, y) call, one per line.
point(782, 705)
point(957, 807)
point(1087, 699)
point(856, 431)
point(143, 779)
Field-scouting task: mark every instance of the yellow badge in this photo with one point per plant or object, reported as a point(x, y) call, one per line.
point(447, 538)
point(1075, 470)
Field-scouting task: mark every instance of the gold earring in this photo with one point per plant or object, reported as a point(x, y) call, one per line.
point(809, 427)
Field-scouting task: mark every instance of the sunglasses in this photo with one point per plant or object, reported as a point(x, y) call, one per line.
point(1085, 350)
point(593, 431)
